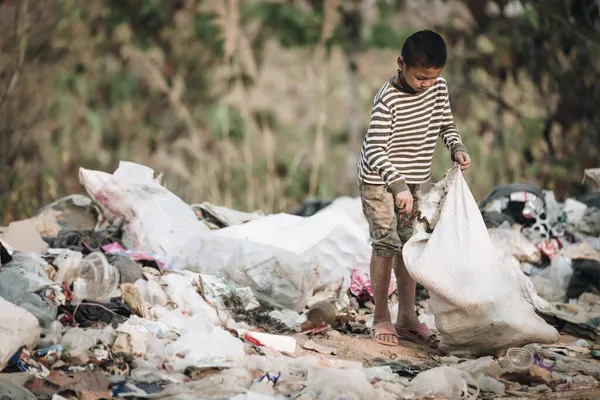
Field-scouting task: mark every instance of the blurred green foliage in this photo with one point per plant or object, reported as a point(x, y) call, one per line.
point(226, 97)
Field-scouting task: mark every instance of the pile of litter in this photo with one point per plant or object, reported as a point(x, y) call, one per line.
point(131, 292)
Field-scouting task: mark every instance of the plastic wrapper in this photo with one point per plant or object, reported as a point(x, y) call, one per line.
point(181, 289)
point(277, 277)
point(219, 348)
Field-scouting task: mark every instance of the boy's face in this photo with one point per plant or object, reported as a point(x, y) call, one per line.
point(419, 78)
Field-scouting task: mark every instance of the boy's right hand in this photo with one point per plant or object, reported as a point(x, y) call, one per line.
point(404, 201)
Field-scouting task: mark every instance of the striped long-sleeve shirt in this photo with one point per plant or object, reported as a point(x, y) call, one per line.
point(404, 128)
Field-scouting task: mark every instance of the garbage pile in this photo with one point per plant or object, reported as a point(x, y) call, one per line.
point(557, 245)
point(131, 292)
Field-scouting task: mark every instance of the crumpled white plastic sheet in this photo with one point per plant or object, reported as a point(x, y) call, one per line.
point(276, 276)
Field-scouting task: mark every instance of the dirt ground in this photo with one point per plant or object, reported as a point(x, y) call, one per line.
point(361, 348)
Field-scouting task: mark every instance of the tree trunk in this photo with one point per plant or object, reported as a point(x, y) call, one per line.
point(354, 124)
point(352, 19)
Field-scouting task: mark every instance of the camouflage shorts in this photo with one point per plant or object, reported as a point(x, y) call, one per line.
point(388, 234)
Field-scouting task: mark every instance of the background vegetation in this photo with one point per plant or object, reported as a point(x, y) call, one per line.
point(258, 104)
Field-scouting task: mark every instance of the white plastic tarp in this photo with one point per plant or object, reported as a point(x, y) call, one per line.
point(330, 238)
point(480, 301)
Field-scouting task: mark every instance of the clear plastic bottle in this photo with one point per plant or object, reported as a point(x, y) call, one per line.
point(488, 384)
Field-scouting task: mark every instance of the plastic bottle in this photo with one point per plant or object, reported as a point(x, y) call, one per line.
point(488, 384)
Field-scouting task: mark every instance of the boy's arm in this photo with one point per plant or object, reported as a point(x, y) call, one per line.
point(449, 132)
point(376, 143)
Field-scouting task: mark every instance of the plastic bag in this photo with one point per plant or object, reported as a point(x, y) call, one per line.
point(478, 297)
point(157, 221)
point(219, 347)
point(13, 391)
point(151, 292)
point(79, 340)
point(352, 206)
point(18, 327)
point(515, 243)
point(552, 283)
point(67, 262)
point(277, 277)
point(51, 335)
point(351, 384)
point(444, 382)
point(24, 282)
point(180, 289)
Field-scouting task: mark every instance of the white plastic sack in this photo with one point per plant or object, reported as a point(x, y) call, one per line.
point(157, 221)
point(477, 296)
point(18, 327)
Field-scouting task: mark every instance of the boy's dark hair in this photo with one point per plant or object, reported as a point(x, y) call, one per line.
point(425, 49)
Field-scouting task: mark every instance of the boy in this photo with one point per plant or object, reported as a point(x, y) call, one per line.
point(410, 112)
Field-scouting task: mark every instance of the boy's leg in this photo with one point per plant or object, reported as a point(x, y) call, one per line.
point(406, 295)
point(407, 322)
point(381, 273)
point(378, 207)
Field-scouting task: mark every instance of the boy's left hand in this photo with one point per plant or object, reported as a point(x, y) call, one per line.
point(462, 159)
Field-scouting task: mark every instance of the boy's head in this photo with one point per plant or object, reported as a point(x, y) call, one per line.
point(422, 59)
